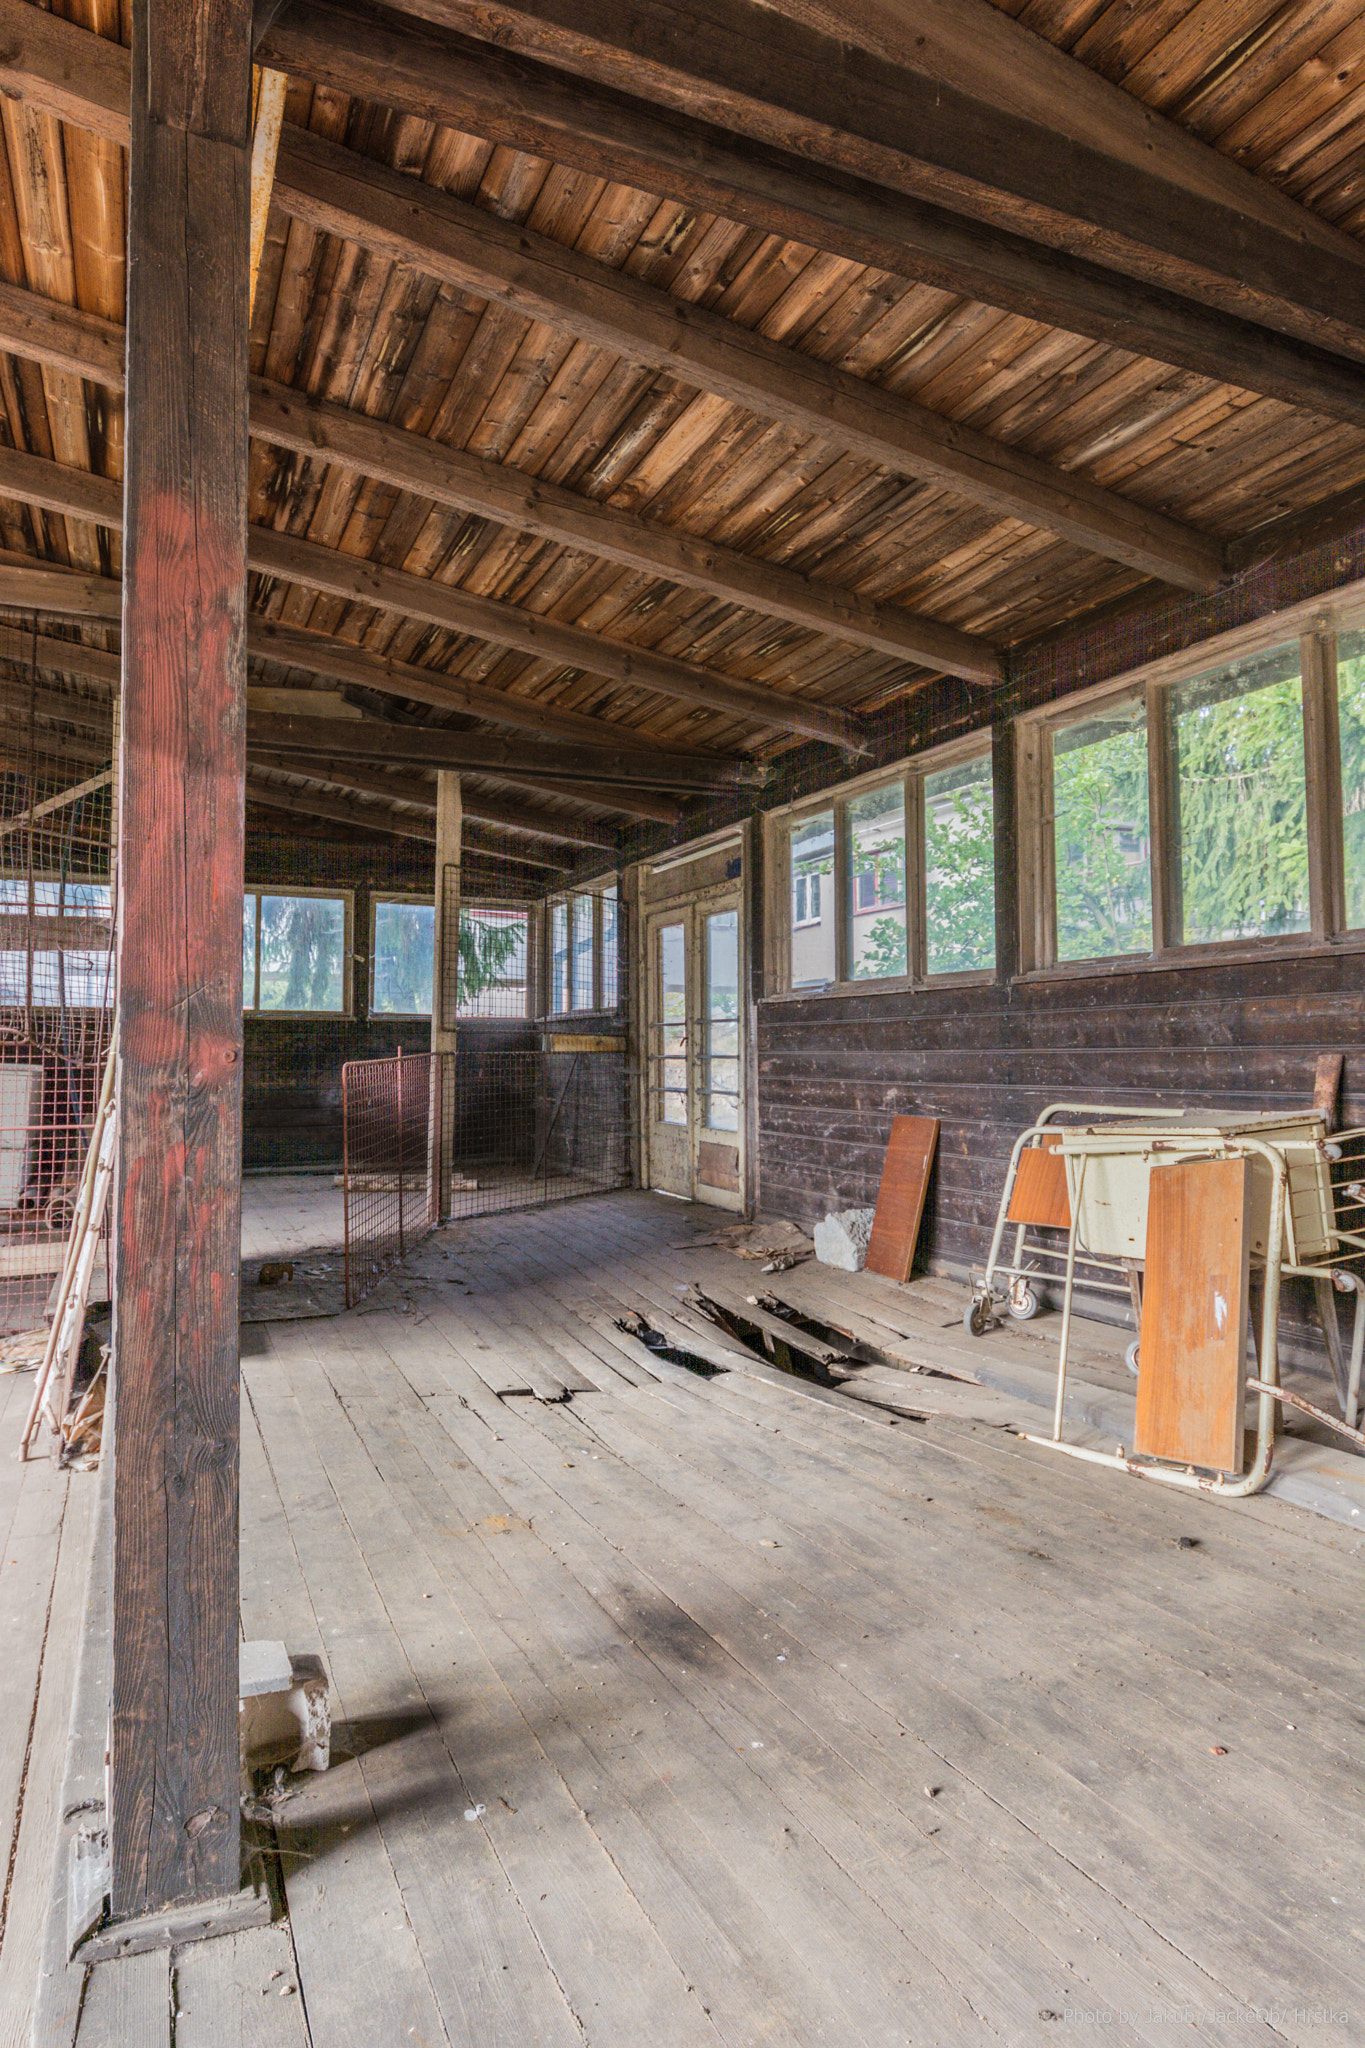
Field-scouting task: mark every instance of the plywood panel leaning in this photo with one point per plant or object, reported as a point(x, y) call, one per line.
point(1039, 1193)
point(900, 1198)
point(1192, 1357)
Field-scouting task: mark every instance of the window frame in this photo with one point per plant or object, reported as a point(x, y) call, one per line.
point(559, 1002)
point(513, 906)
point(779, 924)
point(417, 902)
point(1316, 626)
point(346, 897)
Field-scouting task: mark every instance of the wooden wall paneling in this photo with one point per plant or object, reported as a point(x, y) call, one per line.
point(1191, 1392)
point(900, 1198)
point(174, 1821)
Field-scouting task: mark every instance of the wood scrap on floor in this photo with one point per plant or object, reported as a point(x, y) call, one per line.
point(900, 1198)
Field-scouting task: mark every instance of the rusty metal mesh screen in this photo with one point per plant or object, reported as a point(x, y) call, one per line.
point(389, 1188)
point(56, 1009)
point(521, 1127)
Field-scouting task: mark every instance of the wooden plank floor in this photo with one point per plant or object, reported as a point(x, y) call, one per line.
point(694, 1711)
point(682, 1710)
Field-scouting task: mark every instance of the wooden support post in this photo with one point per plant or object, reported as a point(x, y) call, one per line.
point(445, 982)
point(174, 1816)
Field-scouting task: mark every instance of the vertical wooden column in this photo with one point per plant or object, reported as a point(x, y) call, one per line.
point(445, 999)
point(174, 1822)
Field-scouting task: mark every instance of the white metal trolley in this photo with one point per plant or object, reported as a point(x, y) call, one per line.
point(1308, 1220)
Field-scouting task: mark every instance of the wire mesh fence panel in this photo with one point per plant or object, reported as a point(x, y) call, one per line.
point(521, 1128)
point(529, 1127)
point(56, 1013)
point(388, 1181)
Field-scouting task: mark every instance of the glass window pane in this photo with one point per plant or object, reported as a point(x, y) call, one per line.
point(1351, 699)
point(812, 911)
point(1101, 833)
point(404, 955)
point(559, 956)
point(673, 1023)
point(492, 971)
point(249, 951)
point(582, 953)
point(1237, 763)
point(722, 1021)
point(303, 952)
point(876, 860)
point(959, 868)
point(610, 970)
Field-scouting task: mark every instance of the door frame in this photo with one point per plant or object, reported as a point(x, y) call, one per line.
point(680, 865)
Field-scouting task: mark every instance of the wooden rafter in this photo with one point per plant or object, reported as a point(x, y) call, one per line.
point(955, 103)
point(32, 479)
point(502, 95)
point(92, 348)
point(433, 747)
point(338, 192)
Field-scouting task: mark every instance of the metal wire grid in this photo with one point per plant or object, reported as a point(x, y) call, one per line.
point(530, 1127)
point(524, 1127)
point(390, 1196)
point(56, 1009)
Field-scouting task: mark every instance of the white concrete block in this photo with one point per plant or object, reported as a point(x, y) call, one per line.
point(290, 1724)
point(841, 1239)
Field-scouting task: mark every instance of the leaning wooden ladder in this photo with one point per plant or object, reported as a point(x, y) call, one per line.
point(73, 1289)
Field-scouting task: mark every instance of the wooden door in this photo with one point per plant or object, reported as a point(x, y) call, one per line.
point(669, 1109)
point(694, 1038)
point(718, 1126)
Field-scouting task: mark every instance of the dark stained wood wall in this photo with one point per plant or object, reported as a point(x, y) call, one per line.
point(834, 1071)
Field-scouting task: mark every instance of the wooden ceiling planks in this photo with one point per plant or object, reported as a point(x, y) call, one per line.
point(336, 323)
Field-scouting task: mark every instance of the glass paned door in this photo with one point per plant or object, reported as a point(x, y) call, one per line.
point(720, 1053)
point(695, 1101)
point(670, 1061)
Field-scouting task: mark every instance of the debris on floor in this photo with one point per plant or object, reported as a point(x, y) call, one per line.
point(841, 1239)
point(23, 1352)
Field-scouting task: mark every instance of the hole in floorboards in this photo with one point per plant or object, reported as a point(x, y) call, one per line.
point(654, 1340)
point(822, 1364)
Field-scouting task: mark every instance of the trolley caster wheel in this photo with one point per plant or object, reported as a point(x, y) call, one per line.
point(1023, 1303)
point(977, 1318)
point(1130, 1356)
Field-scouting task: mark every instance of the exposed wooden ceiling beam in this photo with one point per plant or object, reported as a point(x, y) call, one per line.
point(84, 343)
point(58, 592)
point(954, 102)
point(429, 747)
point(468, 483)
point(323, 654)
point(32, 479)
point(335, 808)
point(338, 192)
point(410, 789)
point(507, 98)
point(360, 581)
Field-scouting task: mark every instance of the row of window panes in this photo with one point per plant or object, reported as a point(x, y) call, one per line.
point(294, 952)
point(583, 963)
point(1238, 854)
point(491, 966)
point(865, 911)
